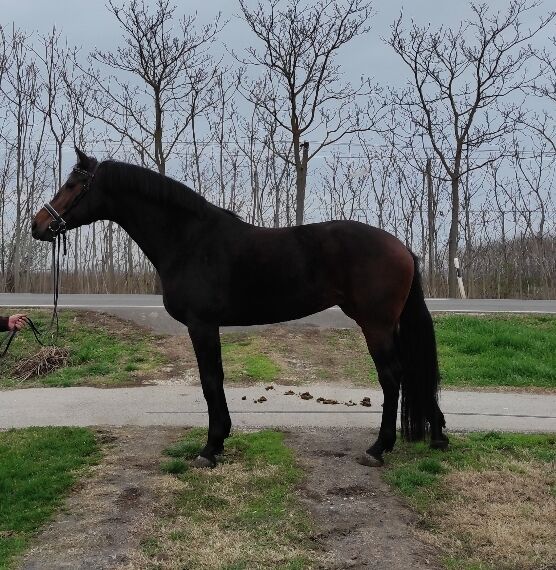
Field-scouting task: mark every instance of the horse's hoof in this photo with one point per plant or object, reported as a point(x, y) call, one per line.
point(441, 444)
point(203, 462)
point(370, 460)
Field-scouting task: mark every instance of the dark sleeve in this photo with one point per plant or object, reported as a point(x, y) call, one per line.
point(4, 324)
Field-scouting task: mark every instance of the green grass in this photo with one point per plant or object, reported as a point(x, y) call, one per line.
point(513, 351)
point(97, 355)
point(37, 468)
point(516, 351)
point(244, 358)
point(250, 498)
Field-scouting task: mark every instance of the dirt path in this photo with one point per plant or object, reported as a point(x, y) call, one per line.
point(103, 518)
point(361, 523)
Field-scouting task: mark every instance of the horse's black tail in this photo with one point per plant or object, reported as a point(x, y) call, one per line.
point(421, 378)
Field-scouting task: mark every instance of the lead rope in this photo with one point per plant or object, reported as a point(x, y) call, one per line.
point(61, 237)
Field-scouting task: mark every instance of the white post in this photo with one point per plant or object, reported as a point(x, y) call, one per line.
point(460, 280)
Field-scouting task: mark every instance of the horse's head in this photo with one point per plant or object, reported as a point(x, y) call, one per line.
point(73, 205)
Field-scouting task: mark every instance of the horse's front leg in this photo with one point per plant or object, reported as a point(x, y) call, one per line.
point(206, 342)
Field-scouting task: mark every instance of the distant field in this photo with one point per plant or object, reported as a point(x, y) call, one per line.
point(512, 351)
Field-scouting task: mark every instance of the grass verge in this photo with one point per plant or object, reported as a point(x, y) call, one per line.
point(37, 467)
point(245, 357)
point(474, 351)
point(243, 514)
point(517, 351)
point(489, 502)
point(103, 351)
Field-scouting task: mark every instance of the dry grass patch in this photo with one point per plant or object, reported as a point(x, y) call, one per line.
point(241, 515)
point(506, 518)
point(488, 503)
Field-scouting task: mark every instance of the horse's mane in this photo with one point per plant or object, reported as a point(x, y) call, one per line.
point(162, 188)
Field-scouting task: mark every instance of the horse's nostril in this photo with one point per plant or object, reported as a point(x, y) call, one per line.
point(33, 225)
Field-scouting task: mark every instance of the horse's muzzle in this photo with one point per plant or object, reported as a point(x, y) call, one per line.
point(43, 233)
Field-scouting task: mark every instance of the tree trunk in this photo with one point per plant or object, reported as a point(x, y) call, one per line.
point(158, 150)
point(197, 158)
point(301, 183)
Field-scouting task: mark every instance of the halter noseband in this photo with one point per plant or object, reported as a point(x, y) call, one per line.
point(58, 225)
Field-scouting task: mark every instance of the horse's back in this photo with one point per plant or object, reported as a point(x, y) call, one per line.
point(341, 262)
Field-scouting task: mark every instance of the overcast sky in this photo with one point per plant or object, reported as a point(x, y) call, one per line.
point(88, 24)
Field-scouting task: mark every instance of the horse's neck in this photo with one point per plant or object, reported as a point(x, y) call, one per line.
point(155, 227)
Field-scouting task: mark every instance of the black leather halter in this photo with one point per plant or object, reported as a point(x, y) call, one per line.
point(58, 225)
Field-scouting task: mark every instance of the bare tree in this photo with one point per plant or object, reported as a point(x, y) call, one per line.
point(167, 69)
point(464, 85)
point(301, 87)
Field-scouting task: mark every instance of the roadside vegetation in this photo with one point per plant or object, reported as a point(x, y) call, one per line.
point(487, 503)
point(37, 468)
point(103, 351)
point(242, 514)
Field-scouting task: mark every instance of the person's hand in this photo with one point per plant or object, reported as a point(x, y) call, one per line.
point(16, 322)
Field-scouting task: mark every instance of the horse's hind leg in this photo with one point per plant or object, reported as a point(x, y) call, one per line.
point(384, 351)
point(206, 342)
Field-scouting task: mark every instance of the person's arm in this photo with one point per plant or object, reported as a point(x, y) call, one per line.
point(4, 324)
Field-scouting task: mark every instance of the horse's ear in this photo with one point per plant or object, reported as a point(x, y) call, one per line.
point(82, 158)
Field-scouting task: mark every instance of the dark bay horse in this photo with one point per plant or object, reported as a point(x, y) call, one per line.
point(217, 270)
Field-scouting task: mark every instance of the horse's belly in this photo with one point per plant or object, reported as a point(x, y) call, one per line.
point(278, 312)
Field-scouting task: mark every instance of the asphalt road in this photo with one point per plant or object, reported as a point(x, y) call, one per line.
point(149, 311)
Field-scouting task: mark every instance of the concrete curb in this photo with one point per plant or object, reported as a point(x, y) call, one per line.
point(179, 405)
